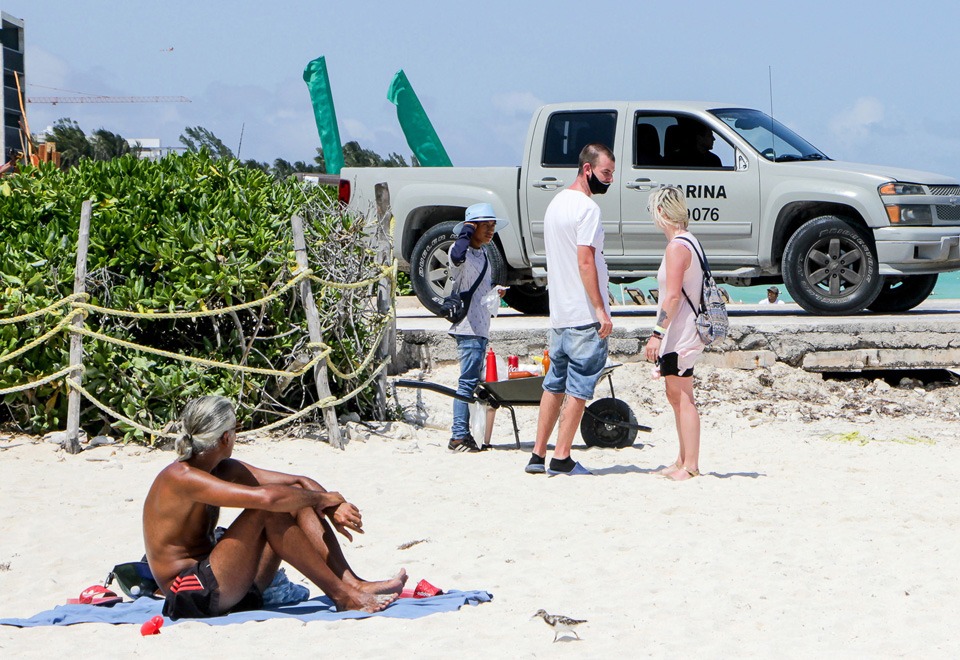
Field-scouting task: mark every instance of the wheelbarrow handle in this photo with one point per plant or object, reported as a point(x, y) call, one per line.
point(434, 387)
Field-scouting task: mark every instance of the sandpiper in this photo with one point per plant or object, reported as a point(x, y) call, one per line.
point(560, 623)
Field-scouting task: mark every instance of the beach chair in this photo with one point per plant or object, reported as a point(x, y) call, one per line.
point(636, 295)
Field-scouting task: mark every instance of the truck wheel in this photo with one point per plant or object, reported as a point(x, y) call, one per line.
point(830, 267)
point(898, 294)
point(528, 298)
point(430, 271)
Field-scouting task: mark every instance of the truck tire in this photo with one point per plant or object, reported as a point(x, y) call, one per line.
point(899, 294)
point(528, 298)
point(830, 267)
point(429, 267)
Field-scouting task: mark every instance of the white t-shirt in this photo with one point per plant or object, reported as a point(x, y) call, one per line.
point(572, 219)
point(477, 320)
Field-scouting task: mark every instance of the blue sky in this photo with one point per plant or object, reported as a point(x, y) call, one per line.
point(864, 81)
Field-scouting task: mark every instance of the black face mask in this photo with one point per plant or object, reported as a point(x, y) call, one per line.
point(597, 187)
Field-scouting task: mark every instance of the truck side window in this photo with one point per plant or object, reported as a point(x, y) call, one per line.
point(569, 132)
point(675, 141)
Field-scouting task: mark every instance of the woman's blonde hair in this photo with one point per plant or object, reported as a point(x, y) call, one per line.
point(668, 207)
point(203, 422)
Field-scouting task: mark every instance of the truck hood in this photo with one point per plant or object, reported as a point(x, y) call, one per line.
point(882, 173)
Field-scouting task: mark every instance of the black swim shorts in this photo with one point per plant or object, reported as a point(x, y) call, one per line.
point(195, 594)
point(669, 367)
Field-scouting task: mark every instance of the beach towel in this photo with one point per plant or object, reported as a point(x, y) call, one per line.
point(320, 608)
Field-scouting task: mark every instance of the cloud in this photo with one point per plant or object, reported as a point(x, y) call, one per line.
point(857, 123)
point(516, 103)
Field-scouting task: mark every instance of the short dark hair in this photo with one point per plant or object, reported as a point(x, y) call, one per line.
point(591, 154)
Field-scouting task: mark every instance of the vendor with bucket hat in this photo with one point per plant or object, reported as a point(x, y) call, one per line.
point(468, 268)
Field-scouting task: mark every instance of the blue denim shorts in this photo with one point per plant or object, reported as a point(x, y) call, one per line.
point(577, 356)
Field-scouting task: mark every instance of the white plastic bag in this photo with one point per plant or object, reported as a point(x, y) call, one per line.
point(492, 300)
point(478, 421)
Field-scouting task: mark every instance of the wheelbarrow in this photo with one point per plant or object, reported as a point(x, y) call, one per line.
point(607, 422)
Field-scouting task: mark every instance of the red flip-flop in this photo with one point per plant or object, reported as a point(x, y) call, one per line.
point(96, 595)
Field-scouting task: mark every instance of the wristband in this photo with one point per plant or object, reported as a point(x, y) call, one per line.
point(658, 331)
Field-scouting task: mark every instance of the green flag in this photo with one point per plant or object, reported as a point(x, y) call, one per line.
point(315, 75)
point(421, 137)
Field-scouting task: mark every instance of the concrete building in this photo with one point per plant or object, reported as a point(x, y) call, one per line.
point(11, 62)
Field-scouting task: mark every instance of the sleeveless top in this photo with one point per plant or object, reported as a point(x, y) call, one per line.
point(681, 336)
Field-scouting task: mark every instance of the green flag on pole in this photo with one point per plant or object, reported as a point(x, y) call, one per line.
point(422, 139)
point(315, 75)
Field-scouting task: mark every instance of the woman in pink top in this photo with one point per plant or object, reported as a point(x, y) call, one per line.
point(675, 344)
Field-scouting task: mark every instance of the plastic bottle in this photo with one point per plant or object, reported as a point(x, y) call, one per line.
point(491, 376)
point(546, 361)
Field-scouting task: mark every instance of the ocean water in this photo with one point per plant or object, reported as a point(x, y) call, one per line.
point(948, 288)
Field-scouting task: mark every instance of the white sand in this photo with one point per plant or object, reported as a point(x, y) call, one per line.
point(790, 545)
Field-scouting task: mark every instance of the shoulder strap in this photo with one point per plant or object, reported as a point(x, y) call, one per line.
point(483, 271)
point(703, 267)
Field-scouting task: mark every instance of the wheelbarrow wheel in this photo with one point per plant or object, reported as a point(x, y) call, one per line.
point(598, 432)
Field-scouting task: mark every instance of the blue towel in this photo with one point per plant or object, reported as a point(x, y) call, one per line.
point(315, 609)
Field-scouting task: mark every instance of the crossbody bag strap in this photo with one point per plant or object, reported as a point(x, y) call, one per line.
point(483, 271)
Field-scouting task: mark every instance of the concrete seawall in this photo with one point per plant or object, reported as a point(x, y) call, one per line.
point(927, 337)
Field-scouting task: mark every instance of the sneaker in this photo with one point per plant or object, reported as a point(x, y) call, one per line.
point(467, 444)
point(536, 465)
point(576, 471)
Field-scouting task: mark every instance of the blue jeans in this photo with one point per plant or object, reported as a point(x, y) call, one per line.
point(471, 351)
point(577, 356)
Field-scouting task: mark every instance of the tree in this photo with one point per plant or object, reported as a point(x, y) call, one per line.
point(196, 138)
point(106, 145)
point(72, 142)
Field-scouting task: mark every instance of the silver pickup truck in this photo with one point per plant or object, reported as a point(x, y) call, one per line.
point(768, 206)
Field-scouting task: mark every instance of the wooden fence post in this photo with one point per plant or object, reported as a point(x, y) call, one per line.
point(313, 325)
point(388, 342)
point(72, 443)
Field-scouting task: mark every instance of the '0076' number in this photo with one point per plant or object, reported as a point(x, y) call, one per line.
point(704, 213)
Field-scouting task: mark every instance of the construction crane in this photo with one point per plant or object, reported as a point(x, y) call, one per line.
point(54, 100)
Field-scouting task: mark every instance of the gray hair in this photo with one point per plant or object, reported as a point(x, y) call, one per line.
point(203, 422)
point(668, 207)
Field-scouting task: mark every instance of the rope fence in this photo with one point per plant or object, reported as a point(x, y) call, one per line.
point(73, 310)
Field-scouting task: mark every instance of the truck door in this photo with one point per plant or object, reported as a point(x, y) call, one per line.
point(720, 184)
point(552, 166)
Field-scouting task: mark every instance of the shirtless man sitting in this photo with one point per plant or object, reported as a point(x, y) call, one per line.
point(283, 519)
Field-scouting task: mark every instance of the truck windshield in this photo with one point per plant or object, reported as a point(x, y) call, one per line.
point(770, 138)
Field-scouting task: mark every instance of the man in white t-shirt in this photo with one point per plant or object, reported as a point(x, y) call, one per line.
point(579, 311)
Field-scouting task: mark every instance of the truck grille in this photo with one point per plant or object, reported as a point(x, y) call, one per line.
point(946, 212)
point(944, 190)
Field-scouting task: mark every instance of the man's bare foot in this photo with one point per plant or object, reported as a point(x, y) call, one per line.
point(366, 602)
point(683, 473)
point(392, 586)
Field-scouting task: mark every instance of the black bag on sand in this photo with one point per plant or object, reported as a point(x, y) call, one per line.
point(455, 306)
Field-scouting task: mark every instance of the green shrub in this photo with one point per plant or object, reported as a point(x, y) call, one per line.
point(184, 233)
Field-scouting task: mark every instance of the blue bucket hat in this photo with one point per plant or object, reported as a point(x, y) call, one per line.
point(482, 212)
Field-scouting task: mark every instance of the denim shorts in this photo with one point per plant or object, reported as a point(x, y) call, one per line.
point(577, 356)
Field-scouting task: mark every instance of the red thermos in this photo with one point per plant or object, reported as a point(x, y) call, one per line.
point(491, 367)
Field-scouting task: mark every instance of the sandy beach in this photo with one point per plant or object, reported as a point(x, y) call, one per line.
point(824, 525)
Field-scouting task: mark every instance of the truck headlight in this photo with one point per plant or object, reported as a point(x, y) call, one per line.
point(898, 188)
point(909, 214)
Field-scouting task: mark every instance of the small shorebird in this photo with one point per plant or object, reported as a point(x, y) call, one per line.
point(560, 623)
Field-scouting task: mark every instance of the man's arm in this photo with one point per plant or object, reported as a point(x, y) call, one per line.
point(344, 515)
point(206, 488)
point(586, 260)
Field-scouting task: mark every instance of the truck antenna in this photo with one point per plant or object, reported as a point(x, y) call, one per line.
point(773, 143)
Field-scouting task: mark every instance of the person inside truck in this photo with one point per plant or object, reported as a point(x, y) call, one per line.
point(689, 144)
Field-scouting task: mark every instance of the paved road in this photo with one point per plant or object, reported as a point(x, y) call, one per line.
point(411, 317)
